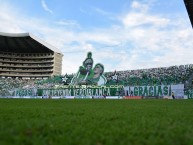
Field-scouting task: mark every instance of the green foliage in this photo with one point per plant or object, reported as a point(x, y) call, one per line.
point(95, 122)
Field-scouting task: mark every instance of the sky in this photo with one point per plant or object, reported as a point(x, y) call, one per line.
point(121, 34)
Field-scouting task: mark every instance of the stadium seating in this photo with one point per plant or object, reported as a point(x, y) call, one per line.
point(156, 76)
point(182, 74)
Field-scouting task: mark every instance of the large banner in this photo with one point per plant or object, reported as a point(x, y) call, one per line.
point(89, 75)
point(156, 91)
point(71, 92)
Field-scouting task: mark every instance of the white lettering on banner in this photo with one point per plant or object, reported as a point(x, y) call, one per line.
point(25, 92)
point(149, 90)
point(100, 92)
point(68, 92)
point(161, 90)
point(108, 92)
point(96, 92)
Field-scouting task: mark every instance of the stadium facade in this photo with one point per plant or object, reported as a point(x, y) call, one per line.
point(23, 55)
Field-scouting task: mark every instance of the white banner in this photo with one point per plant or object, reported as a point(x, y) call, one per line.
point(164, 91)
point(178, 91)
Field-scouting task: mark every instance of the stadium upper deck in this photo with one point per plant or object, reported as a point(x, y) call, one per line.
point(26, 56)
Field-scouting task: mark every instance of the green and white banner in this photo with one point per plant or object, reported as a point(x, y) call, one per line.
point(71, 92)
point(189, 94)
point(88, 75)
point(162, 91)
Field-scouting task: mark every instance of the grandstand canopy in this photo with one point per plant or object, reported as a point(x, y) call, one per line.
point(189, 7)
point(24, 43)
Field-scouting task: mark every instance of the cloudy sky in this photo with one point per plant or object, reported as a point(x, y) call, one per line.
point(121, 34)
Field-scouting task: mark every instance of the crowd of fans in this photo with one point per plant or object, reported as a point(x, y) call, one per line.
point(8, 85)
point(182, 74)
point(156, 76)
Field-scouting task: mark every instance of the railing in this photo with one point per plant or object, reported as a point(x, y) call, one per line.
point(26, 55)
point(25, 61)
point(26, 66)
point(25, 75)
point(22, 70)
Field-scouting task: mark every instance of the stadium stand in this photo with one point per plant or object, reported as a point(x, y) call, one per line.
point(155, 76)
point(182, 74)
point(26, 56)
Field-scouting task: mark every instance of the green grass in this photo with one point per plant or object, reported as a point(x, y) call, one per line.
point(96, 122)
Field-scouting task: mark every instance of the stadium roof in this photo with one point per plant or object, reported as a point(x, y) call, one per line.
point(24, 43)
point(189, 7)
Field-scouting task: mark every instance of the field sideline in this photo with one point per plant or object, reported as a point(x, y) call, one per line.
point(96, 122)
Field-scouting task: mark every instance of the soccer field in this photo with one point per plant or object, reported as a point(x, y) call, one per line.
point(95, 122)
